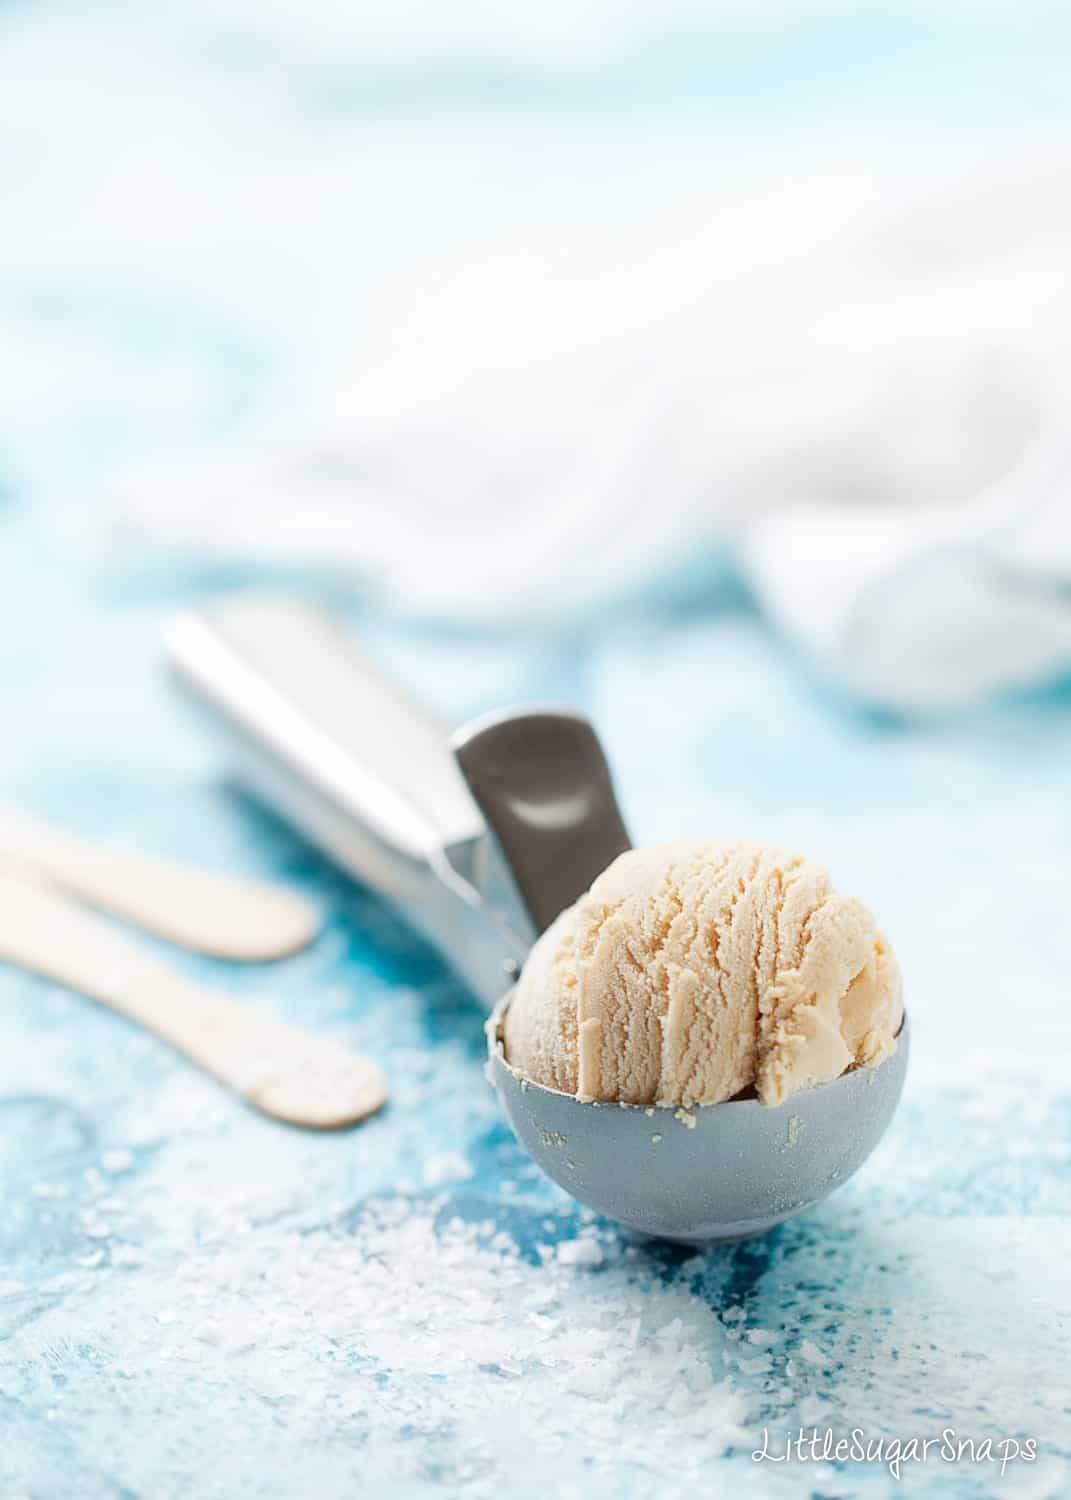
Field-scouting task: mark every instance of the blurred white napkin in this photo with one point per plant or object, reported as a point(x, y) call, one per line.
point(875, 419)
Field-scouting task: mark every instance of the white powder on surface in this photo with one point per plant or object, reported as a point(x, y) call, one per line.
point(810, 1352)
point(447, 1166)
point(118, 1161)
point(404, 1329)
point(583, 1252)
point(417, 1347)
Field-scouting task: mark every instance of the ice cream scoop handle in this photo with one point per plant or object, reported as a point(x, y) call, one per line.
point(325, 740)
point(290, 682)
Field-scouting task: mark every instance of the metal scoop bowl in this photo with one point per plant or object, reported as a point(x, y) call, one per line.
point(715, 1172)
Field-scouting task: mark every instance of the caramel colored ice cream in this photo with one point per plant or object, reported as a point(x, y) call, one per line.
point(691, 971)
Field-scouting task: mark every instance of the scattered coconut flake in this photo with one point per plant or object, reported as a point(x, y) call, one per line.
point(812, 1409)
point(55, 1190)
point(447, 1166)
point(584, 1252)
point(810, 1352)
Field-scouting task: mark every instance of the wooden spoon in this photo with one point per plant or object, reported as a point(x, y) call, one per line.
point(214, 914)
point(283, 1070)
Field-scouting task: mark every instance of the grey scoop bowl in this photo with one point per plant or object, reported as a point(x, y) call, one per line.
point(736, 1170)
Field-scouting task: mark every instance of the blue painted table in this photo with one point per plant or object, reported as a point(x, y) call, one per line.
point(194, 1300)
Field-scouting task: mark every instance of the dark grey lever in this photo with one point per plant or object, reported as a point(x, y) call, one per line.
point(543, 784)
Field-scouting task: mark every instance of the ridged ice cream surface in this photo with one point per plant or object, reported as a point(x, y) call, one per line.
point(691, 971)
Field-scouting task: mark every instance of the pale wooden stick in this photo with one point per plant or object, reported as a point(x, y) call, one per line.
point(215, 914)
point(285, 1071)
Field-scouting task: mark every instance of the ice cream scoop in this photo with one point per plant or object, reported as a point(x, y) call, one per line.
point(482, 840)
point(685, 978)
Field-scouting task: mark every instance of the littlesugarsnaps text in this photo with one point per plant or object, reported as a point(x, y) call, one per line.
point(823, 1445)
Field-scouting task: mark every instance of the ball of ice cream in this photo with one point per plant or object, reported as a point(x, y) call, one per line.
point(691, 971)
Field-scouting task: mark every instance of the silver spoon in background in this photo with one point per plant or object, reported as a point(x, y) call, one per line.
point(481, 840)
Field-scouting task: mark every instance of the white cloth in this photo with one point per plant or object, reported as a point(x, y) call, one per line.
point(874, 416)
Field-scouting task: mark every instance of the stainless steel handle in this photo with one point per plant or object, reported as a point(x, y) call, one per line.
point(367, 775)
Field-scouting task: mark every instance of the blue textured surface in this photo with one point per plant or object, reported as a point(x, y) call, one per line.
point(194, 1301)
point(204, 1315)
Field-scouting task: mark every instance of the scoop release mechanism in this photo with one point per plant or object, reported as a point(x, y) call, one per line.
point(542, 782)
